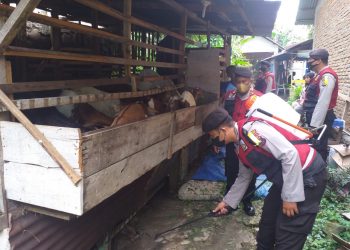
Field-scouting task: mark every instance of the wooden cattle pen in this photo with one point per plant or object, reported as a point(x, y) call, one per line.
point(60, 181)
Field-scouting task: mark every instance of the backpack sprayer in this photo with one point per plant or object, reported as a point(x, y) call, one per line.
point(308, 140)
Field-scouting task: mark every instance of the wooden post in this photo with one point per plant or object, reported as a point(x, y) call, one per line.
point(42, 140)
point(16, 20)
point(184, 158)
point(5, 74)
point(183, 26)
point(127, 35)
point(133, 84)
point(4, 78)
point(171, 135)
point(3, 206)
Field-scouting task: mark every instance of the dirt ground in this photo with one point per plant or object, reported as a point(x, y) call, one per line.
point(164, 211)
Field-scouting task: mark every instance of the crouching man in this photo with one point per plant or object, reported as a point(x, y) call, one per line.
point(297, 171)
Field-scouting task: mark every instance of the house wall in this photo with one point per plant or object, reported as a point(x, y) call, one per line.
point(333, 33)
point(259, 44)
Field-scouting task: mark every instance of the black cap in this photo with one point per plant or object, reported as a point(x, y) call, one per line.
point(243, 72)
point(215, 119)
point(266, 63)
point(231, 68)
point(319, 54)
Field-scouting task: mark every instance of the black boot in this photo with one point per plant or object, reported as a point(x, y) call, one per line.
point(248, 208)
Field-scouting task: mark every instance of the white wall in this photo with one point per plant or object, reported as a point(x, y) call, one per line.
point(259, 44)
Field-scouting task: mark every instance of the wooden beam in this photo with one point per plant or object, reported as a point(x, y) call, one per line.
point(49, 54)
point(16, 21)
point(21, 87)
point(181, 9)
point(41, 139)
point(133, 20)
point(127, 34)
point(239, 6)
point(54, 22)
point(34, 103)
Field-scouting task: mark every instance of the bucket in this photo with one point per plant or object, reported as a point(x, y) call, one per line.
point(338, 123)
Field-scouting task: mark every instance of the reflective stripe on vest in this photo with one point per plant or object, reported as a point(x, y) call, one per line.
point(305, 152)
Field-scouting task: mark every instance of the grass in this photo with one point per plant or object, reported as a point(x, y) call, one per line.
point(332, 206)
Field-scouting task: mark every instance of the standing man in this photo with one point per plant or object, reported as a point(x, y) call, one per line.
point(321, 96)
point(297, 172)
point(268, 76)
point(235, 105)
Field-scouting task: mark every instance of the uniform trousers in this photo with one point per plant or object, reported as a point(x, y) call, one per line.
point(280, 232)
point(322, 145)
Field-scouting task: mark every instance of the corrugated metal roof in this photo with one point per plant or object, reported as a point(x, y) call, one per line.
point(292, 50)
point(306, 12)
point(224, 14)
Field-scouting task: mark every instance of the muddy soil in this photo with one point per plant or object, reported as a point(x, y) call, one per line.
point(236, 231)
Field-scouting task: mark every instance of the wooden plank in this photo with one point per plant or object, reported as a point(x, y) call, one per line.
point(181, 9)
point(105, 183)
point(16, 21)
point(54, 22)
point(186, 137)
point(41, 139)
point(204, 70)
point(100, 152)
point(33, 103)
point(58, 55)
point(185, 118)
point(20, 87)
point(15, 138)
point(133, 20)
point(48, 212)
point(44, 187)
point(203, 111)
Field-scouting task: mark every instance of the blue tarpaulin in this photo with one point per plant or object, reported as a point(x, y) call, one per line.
point(212, 167)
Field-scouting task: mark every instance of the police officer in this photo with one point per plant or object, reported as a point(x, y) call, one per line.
point(297, 172)
point(321, 96)
point(235, 104)
point(268, 76)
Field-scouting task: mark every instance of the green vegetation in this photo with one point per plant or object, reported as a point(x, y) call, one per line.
point(295, 91)
point(333, 204)
point(216, 41)
point(238, 58)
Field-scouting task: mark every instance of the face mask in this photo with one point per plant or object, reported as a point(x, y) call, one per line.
point(216, 141)
point(310, 66)
point(243, 88)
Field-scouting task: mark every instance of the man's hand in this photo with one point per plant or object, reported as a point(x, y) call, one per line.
point(221, 208)
point(216, 149)
point(290, 208)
